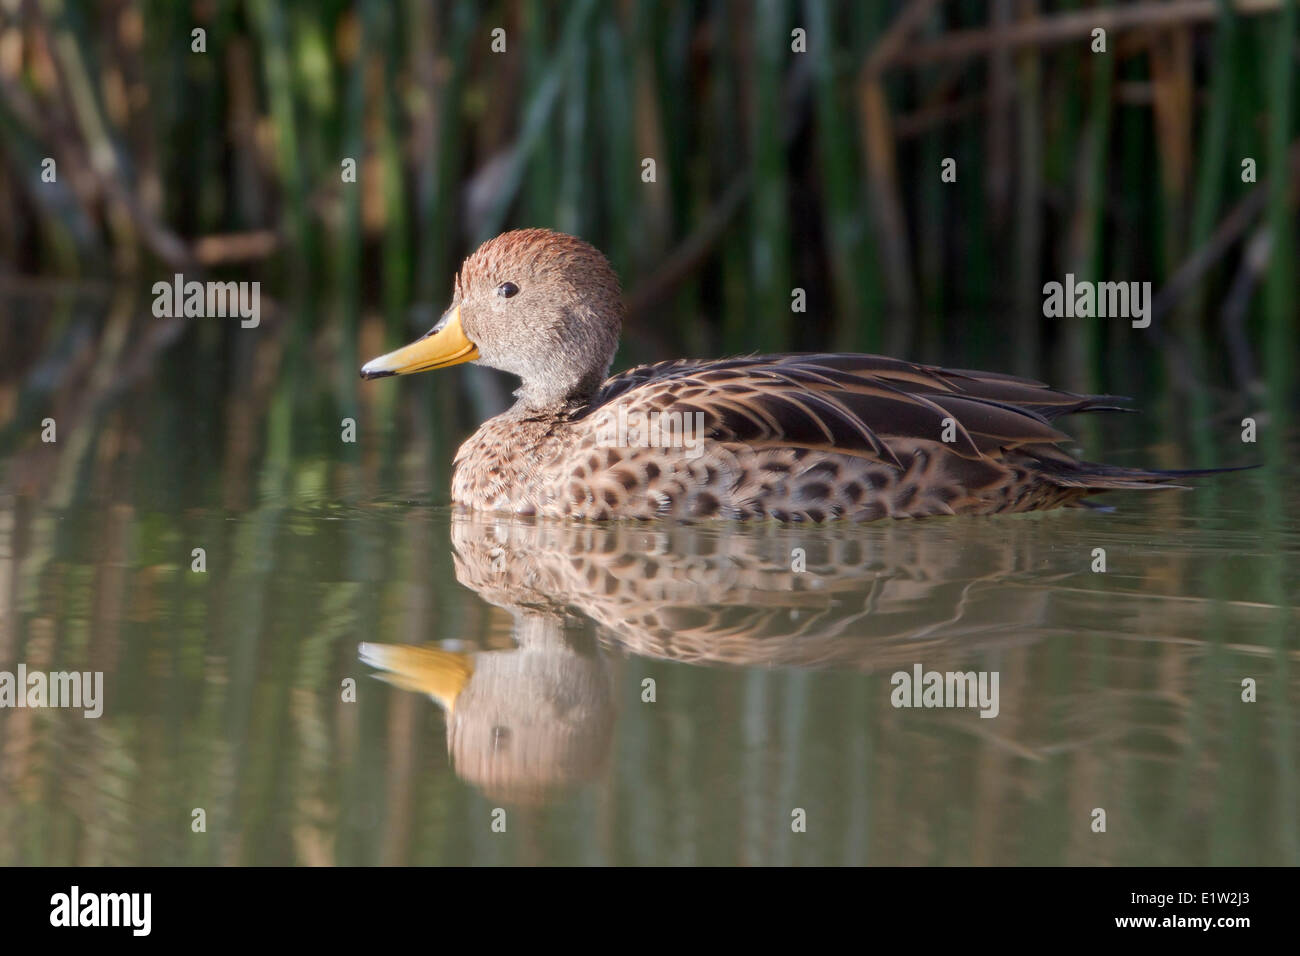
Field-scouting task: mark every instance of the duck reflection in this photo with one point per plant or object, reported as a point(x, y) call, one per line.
point(521, 724)
point(525, 723)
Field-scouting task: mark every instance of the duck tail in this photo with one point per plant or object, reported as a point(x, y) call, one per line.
point(1081, 404)
point(1096, 477)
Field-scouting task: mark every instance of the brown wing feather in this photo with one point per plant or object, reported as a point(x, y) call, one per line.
point(859, 405)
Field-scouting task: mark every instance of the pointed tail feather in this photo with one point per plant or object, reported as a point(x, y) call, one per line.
point(1080, 404)
point(1097, 477)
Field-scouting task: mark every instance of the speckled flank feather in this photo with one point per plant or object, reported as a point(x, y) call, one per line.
point(793, 438)
point(812, 437)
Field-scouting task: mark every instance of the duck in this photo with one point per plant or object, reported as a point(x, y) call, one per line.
point(796, 437)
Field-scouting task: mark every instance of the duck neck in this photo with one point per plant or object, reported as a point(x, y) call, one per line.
point(544, 400)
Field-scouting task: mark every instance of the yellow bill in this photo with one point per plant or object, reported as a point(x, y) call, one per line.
point(444, 345)
point(426, 670)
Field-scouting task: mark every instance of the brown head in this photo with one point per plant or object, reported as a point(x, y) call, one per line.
point(538, 304)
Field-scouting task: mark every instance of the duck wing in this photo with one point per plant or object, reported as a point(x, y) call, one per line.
point(862, 405)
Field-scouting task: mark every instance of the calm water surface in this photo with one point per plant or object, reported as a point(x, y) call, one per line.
point(360, 676)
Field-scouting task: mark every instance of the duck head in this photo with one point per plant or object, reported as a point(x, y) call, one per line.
point(539, 304)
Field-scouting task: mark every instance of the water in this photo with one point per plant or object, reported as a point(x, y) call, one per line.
point(227, 690)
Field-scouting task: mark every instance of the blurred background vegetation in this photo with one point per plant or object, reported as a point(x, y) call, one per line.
point(775, 169)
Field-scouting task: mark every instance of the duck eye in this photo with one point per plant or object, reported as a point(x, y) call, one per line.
point(507, 289)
